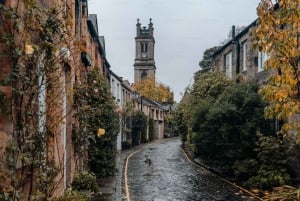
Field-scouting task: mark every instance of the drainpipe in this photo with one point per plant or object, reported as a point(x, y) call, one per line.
point(236, 45)
point(237, 57)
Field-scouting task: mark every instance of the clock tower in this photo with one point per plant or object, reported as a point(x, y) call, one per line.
point(144, 65)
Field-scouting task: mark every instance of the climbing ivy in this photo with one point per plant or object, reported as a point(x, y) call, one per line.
point(95, 109)
point(139, 126)
point(31, 36)
point(125, 116)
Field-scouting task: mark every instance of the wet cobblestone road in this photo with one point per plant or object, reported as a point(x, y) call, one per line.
point(161, 172)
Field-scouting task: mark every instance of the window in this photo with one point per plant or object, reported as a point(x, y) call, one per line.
point(245, 52)
point(144, 49)
point(262, 58)
point(228, 64)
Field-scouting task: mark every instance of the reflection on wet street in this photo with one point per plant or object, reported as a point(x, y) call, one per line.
point(161, 172)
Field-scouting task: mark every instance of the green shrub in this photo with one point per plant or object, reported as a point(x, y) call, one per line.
point(139, 126)
point(144, 137)
point(224, 131)
point(267, 178)
point(244, 169)
point(73, 196)
point(273, 155)
point(85, 181)
point(151, 129)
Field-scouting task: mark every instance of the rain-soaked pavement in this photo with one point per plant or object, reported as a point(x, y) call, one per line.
point(161, 172)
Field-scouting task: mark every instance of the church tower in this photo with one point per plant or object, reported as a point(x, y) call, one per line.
point(144, 65)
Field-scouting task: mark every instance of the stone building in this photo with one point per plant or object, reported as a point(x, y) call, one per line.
point(116, 91)
point(144, 65)
point(237, 58)
point(128, 102)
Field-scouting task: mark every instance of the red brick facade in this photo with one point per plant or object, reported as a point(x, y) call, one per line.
point(73, 67)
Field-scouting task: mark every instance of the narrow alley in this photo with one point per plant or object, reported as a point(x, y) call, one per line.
point(160, 171)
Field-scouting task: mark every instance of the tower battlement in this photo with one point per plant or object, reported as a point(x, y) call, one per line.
point(144, 31)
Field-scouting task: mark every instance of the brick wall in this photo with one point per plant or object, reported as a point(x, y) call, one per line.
point(61, 147)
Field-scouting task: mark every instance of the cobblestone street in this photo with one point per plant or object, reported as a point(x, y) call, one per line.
point(161, 172)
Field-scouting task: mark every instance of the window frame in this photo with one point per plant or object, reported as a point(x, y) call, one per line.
point(228, 64)
point(262, 57)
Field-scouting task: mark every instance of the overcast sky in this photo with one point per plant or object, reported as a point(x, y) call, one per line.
point(183, 29)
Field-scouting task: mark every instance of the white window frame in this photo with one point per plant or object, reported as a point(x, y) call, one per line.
point(262, 58)
point(228, 65)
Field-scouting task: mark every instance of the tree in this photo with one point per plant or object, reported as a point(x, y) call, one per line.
point(220, 120)
point(207, 61)
point(205, 89)
point(209, 86)
point(224, 131)
point(182, 116)
point(277, 35)
point(153, 90)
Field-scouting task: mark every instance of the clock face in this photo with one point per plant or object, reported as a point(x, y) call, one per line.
point(144, 54)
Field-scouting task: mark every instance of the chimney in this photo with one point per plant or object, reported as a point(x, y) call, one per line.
point(233, 32)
